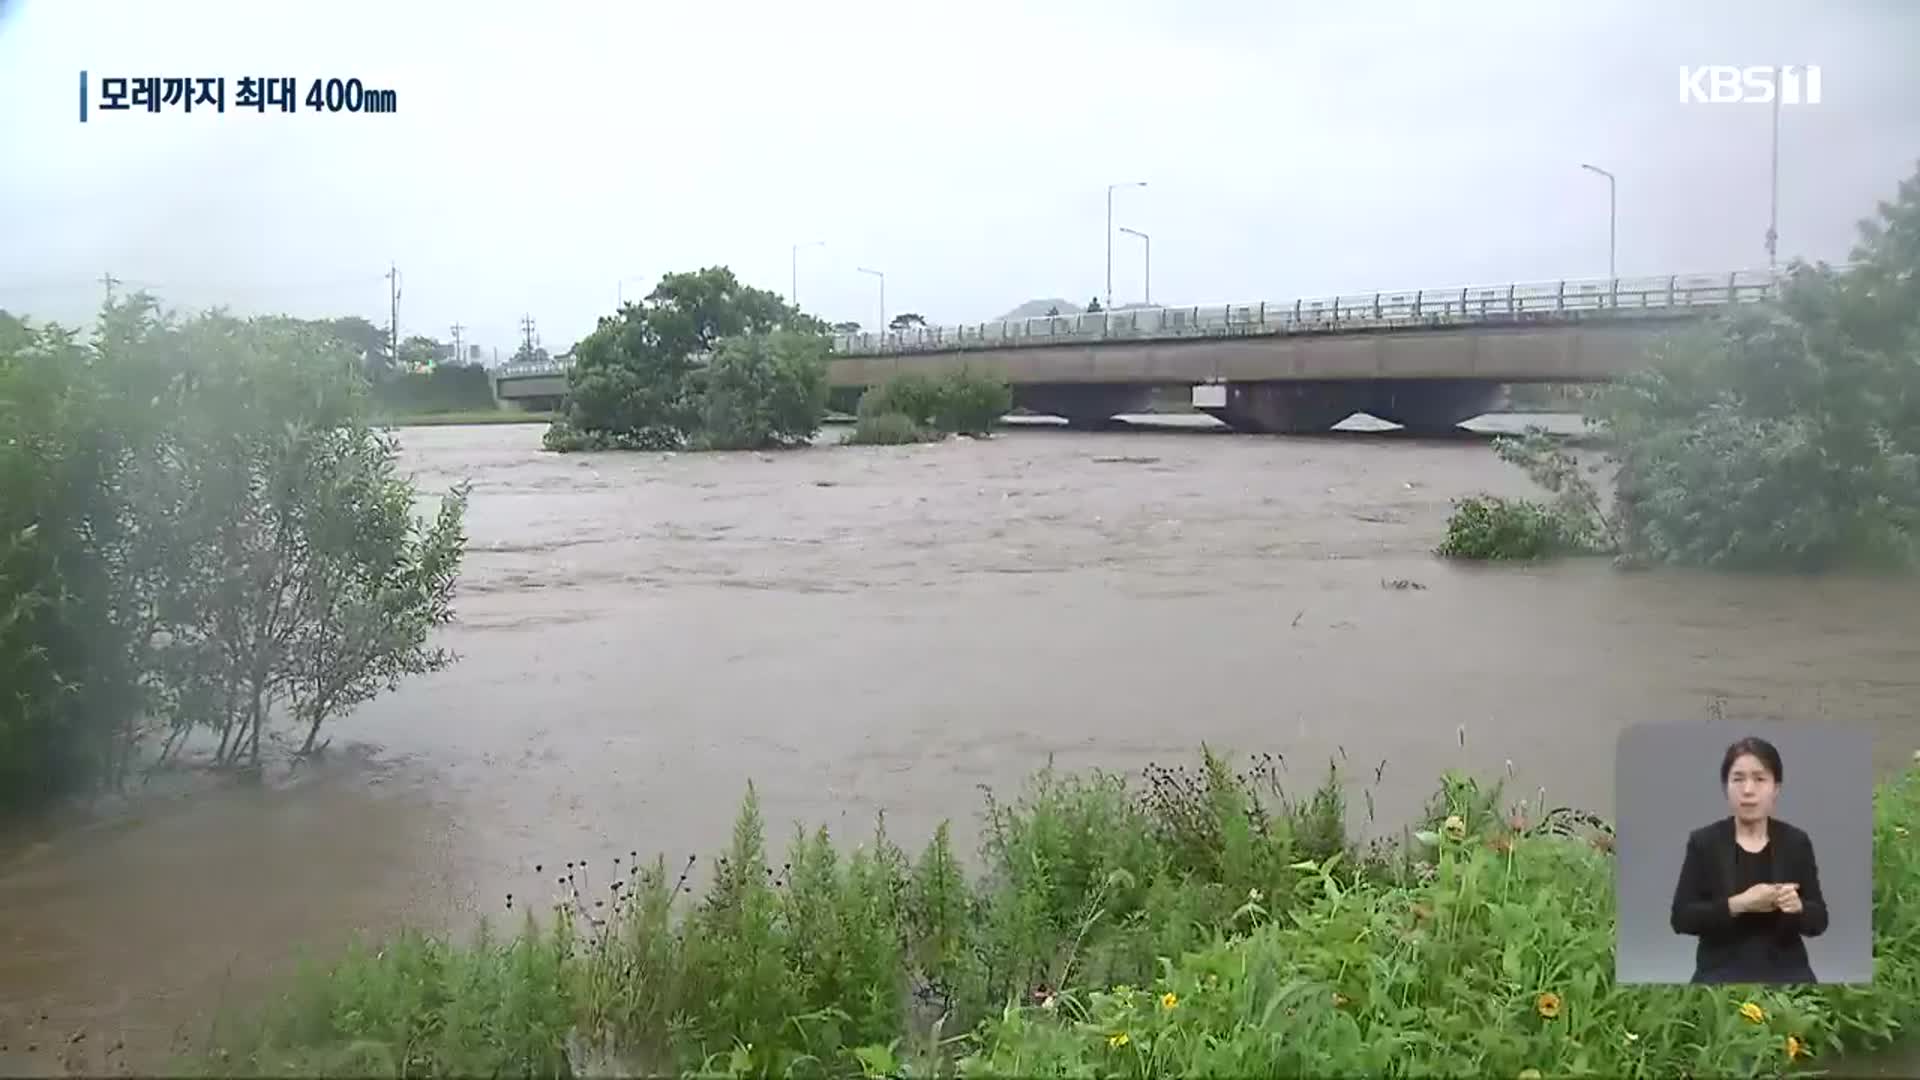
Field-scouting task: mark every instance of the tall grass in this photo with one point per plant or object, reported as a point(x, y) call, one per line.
point(1197, 921)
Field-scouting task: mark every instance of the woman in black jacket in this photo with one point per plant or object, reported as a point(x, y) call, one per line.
point(1750, 889)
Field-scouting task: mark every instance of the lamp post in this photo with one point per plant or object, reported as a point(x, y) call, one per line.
point(1148, 241)
point(793, 285)
point(883, 295)
point(1612, 208)
point(1110, 187)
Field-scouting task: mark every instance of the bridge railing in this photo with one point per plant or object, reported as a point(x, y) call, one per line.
point(529, 369)
point(1565, 299)
point(1468, 305)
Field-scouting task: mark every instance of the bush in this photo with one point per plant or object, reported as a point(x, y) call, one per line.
point(911, 395)
point(887, 429)
point(1490, 527)
point(446, 388)
point(958, 403)
point(1204, 924)
point(68, 596)
point(157, 488)
point(561, 436)
point(971, 404)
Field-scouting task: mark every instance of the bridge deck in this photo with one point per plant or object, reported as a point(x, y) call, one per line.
point(1566, 304)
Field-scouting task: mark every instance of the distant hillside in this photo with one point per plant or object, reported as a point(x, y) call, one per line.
point(1033, 309)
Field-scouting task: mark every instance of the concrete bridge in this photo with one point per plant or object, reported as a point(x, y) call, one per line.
point(1427, 359)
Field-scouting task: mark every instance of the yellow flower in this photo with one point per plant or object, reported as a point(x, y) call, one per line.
point(1899, 830)
point(1118, 1039)
point(1529, 1074)
point(1548, 1004)
point(1169, 999)
point(1254, 896)
point(1456, 827)
point(1340, 1000)
point(1753, 1013)
point(1795, 1048)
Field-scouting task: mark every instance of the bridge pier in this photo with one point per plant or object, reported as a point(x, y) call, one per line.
point(1289, 408)
point(1432, 406)
point(1083, 405)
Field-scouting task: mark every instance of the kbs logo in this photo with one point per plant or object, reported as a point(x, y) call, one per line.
point(1724, 84)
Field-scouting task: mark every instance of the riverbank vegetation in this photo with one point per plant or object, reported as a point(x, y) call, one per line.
point(1782, 436)
point(703, 362)
point(200, 534)
point(1195, 921)
point(443, 388)
point(917, 408)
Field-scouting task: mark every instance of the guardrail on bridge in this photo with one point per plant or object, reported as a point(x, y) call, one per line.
point(1571, 298)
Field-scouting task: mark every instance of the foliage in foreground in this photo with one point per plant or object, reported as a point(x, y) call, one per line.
point(1786, 436)
point(702, 362)
point(1199, 924)
point(916, 408)
point(198, 531)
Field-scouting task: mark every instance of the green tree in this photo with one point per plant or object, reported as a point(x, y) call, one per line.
point(640, 379)
point(15, 333)
point(297, 577)
point(907, 320)
point(196, 523)
point(371, 343)
point(765, 390)
point(418, 352)
point(529, 353)
point(1787, 435)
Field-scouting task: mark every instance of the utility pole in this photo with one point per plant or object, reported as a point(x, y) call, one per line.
point(459, 357)
point(1773, 208)
point(526, 330)
point(109, 281)
point(393, 327)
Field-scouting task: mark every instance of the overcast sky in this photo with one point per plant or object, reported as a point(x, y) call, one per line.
point(542, 153)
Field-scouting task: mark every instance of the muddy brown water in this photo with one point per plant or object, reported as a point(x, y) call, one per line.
point(889, 629)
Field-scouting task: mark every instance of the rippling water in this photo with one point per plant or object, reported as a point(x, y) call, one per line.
point(888, 629)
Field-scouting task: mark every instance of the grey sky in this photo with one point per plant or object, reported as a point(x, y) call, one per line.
point(543, 152)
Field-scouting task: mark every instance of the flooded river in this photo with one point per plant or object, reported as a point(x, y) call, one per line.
point(888, 629)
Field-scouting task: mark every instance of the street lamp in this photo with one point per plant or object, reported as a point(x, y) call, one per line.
point(1110, 187)
point(1612, 206)
point(1148, 240)
point(883, 295)
point(793, 286)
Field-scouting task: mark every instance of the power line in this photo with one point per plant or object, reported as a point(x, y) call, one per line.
point(459, 357)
